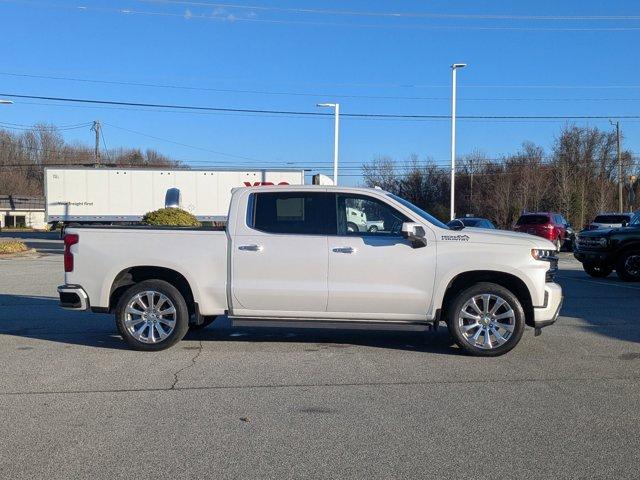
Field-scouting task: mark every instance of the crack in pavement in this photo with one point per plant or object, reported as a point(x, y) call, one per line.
point(191, 365)
point(515, 381)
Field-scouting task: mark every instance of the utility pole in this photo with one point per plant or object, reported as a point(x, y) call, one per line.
point(96, 128)
point(620, 180)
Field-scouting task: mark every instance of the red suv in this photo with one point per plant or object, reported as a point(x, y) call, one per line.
point(551, 226)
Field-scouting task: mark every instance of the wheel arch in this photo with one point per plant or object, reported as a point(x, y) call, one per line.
point(626, 246)
point(507, 280)
point(132, 275)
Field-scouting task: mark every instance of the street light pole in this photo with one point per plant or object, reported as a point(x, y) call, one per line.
point(620, 180)
point(336, 137)
point(454, 68)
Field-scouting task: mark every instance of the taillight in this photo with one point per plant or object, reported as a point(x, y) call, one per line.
point(69, 239)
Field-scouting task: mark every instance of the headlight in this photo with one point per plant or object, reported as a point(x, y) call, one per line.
point(604, 241)
point(541, 254)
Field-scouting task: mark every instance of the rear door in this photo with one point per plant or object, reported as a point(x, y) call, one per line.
point(279, 255)
point(375, 273)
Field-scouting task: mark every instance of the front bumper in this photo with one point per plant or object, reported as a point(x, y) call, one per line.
point(73, 297)
point(549, 312)
point(594, 257)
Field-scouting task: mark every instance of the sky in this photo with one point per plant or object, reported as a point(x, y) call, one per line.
point(525, 58)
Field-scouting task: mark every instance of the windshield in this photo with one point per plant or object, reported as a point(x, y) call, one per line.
point(418, 211)
point(532, 220)
point(611, 218)
point(636, 219)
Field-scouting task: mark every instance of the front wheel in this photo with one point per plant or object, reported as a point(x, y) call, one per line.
point(152, 315)
point(486, 320)
point(596, 271)
point(628, 266)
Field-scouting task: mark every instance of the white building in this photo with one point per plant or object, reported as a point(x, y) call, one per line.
point(22, 212)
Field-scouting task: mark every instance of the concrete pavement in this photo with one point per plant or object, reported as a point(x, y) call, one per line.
point(262, 403)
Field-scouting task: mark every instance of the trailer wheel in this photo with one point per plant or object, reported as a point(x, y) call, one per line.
point(152, 315)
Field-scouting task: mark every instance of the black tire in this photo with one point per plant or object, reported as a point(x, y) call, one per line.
point(352, 227)
point(208, 320)
point(515, 322)
point(597, 271)
point(373, 228)
point(181, 316)
point(628, 266)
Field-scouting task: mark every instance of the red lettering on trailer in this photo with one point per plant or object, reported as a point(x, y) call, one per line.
point(261, 184)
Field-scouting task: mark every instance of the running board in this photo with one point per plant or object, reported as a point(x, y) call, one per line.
point(278, 322)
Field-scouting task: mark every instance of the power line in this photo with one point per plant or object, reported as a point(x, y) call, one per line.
point(351, 25)
point(397, 14)
point(182, 144)
point(318, 114)
point(298, 94)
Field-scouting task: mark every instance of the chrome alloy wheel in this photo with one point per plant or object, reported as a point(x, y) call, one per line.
point(150, 317)
point(486, 321)
point(632, 265)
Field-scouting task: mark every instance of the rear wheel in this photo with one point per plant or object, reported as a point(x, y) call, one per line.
point(596, 271)
point(486, 320)
point(628, 266)
point(152, 315)
point(352, 227)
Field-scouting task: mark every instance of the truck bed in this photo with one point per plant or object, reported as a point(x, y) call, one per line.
point(104, 254)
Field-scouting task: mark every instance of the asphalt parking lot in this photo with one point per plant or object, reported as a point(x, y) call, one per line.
point(251, 403)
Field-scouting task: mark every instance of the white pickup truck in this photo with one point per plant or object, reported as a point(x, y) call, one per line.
point(287, 257)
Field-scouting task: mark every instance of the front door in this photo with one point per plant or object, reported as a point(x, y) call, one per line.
point(279, 256)
point(374, 273)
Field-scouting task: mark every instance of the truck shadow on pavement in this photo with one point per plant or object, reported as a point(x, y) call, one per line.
point(41, 318)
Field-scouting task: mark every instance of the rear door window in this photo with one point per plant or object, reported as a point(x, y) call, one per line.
point(301, 213)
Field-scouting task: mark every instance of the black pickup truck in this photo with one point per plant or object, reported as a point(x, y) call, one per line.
point(604, 250)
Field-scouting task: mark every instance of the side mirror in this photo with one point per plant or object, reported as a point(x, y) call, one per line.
point(625, 223)
point(414, 232)
point(456, 224)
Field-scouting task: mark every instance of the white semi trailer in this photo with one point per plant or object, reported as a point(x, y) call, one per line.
point(124, 195)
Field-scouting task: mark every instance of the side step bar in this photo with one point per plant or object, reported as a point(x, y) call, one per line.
point(331, 323)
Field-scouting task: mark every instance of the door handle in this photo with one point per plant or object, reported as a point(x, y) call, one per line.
point(344, 250)
point(250, 248)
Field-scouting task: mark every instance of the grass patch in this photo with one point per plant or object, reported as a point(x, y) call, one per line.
point(12, 247)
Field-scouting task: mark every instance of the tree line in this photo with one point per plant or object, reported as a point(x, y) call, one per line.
point(23, 157)
point(578, 178)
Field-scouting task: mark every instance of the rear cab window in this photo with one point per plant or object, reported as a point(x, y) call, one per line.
point(532, 220)
point(611, 218)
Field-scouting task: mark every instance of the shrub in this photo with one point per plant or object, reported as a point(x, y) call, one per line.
point(170, 216)
point(12, 247)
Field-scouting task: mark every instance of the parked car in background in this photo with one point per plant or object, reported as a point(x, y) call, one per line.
point(603, 250)
point(552, 226)
point(476, 222)
point(609, 220)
